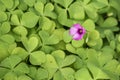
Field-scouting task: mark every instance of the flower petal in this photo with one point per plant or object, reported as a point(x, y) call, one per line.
point(77, 36)
point(78, 26)
point(73, 31)
point(84, 31)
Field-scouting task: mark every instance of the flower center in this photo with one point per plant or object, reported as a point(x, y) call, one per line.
point(80, 31)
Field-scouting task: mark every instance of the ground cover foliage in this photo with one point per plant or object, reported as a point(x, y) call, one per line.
point(35, 43)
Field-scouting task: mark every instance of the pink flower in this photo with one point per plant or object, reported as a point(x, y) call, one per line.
point(77, 31)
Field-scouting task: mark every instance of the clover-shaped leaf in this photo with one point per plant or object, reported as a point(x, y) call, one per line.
point(70, 48)
point(47, 24)
point(15, 19)
point(50, 65)
point(8, 3)
point(20, 52)
point(21, 68)
point(68, 73)
point(47, 49)
point(89, 25)
point(30, 44)
point(91, 12)
point(5, 27)
point(59, 56)
point(29, 19)
point(24, 77)
point(66, 37)
point(3, 16)
point(20, 30)
point(48, 39)
point(7, 38)
point(83, 74)
point(76, 11)
point(39, 6)
point(109, 22)
point(37, 58)
point(3, 71)
point(30, 2)
point(68, 60)
point(45, 10)
point(97, 72)
point(64, 3)
point(11, 61)
point(77, 44)
point(64, 74)
point(10, 76)
point(42, 74)
point(2, 6)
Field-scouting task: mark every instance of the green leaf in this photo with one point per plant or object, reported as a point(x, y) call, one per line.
point(32, 43)
point(50, 65)
point(83, 74)
point(68, 60)
point(11, 61)
point(78, 63)
point(24, 77)
point(3, 16)
point(58, 76)
point(59, 32)
point(53, 39)
point(92, 57)
point(111, 65)
point(78, 43)
point(37, 58)
point(39, 6)
point(3, 52)
point(22, 6)
point(109, 35)
point(81, 52)
point(97, 72)
point(32, 72)
point(91, 12)
point(30, 2)
point(20, 52)
point(66, 36)
point(47, 49)
point(86, 1)
point(49, 11)
point(68, 73)
point(20, 30)
point(64, 3)
point(100, 4)
point(10, 76)
point(7, 38)
point(21, 68)
point(44, 36)
point(15, 19)
point(2, 7)
point(47, 24)
point(5, 28)
point(59, 56)
point(3, 71)
point(104, 58)
point(93, 35)
point(29, 19)
point(8, 3)
point(89, 25)
point(41, 74)
point(62, 18)
point(76, 11)
point(109, 22)
point(70, 48)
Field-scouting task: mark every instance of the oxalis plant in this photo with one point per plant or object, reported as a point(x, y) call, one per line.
point(59, 40)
